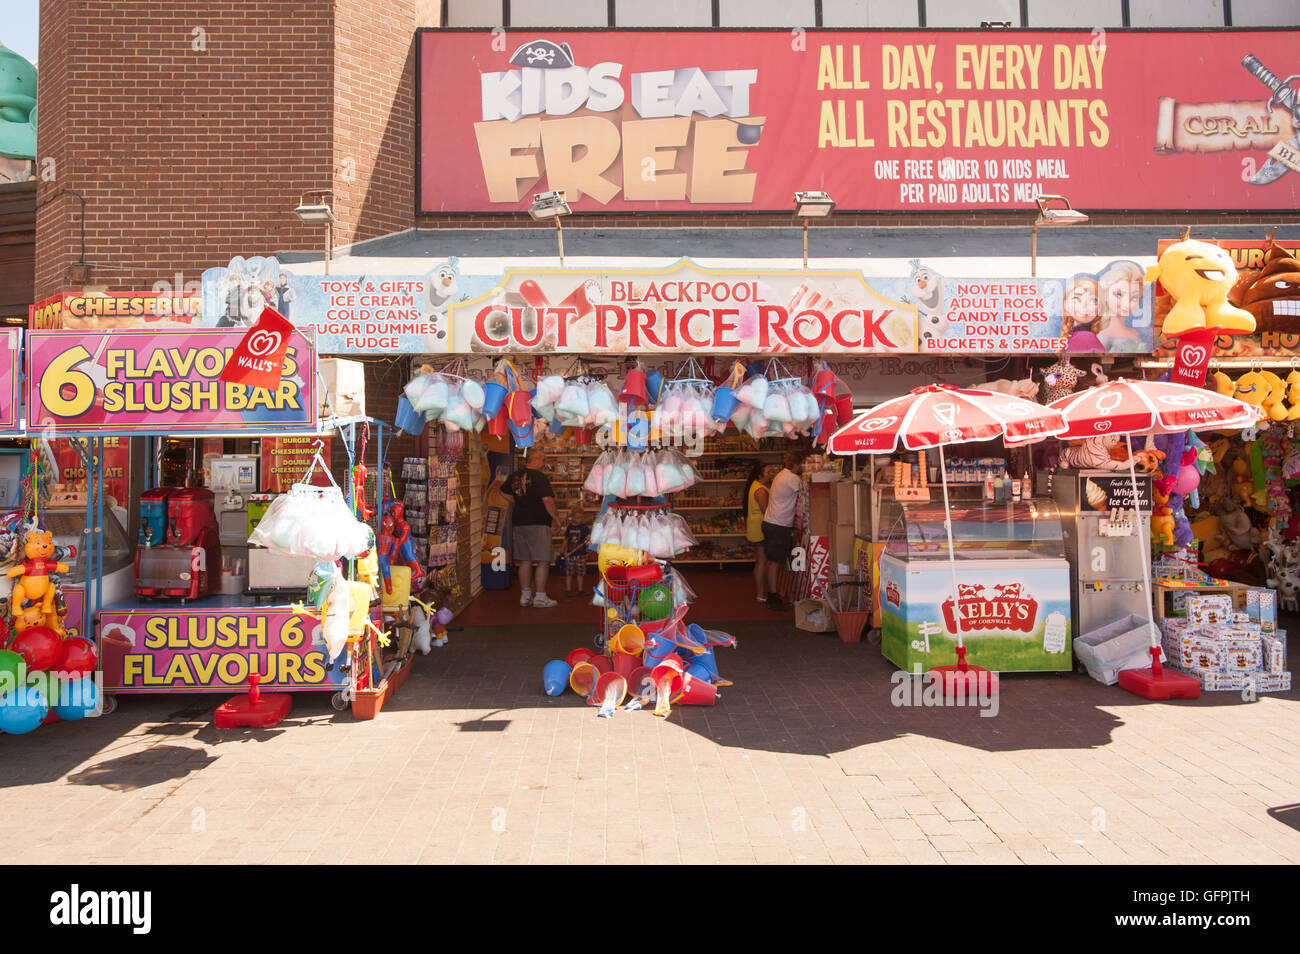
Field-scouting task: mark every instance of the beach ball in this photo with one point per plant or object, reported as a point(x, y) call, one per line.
point(78, 656)
point(22, 710)
point(77, 699)
point(39, 646)
point(11, 663)
point(655, 602)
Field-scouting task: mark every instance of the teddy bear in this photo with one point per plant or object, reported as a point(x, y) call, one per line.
point(1243, 487)
point(1162, 519)
point(35, 585)
point(1235, 527)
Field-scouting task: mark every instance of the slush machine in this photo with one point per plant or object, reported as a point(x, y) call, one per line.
point(179, 556)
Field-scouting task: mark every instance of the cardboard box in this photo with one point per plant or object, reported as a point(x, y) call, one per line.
point(1273, 654)
point(1194, 652)
point(842, 538)
point(1270, 681)
point(814, 616)
point(1208, 610)
point(1220, 681)
point(820, 518)
point(1261, 607)
point(1241, 655)
point(345, 383)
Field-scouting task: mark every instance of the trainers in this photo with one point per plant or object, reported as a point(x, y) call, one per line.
point(774, 602)
point(526, 598)
point(542, 600)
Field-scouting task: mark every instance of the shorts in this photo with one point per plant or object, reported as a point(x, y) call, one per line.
point(778, 541)
point(575, 564)
point(532, 544)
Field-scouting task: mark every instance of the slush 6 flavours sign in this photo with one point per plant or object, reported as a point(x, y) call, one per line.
point(739, 120)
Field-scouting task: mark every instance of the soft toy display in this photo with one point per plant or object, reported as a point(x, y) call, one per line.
point(1096, 453)
point(35, 589)
point(1162, 519)
point(1198, 275)
point(1059, 380)
point(1243, 486)
point(1272, 295)
point(395, 547)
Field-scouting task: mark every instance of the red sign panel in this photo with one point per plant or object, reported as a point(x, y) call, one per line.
point(915, 121)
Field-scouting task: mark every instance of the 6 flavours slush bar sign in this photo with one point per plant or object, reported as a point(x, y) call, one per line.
point(741, 120)
point(159, 381)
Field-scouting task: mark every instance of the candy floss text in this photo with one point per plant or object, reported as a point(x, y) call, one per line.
point(573, 125)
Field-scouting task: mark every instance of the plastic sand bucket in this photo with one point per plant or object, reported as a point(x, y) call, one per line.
point(555, 427)
point(583, 678)
point(583, 436)
point(498, 424)
point(704, 666)
point(494, 396)
point(629, 640)
point(645, 574)
point(849, 624)
point(578, 655)
point(407, 418)
point(610, 687)
point(634, 387)
point(639, 682)
point(519, 407)
point(601, 662)
point(672, 670)
point(523, 435)
point(555, 676)
point(824, 383)
point(638, 431)
point(843, 409)
point(654, 385)
point(724, 403)
point(625, 664)
point(696, 691)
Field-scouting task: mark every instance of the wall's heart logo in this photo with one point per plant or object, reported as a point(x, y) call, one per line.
point(262, 343)
point(1101, 425)
point(876, 424)
point(1193, 355)
point(1183, 400)
point(1012, 410)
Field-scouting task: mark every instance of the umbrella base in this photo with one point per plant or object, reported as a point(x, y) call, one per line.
point(1150, 684)
point(969, 683)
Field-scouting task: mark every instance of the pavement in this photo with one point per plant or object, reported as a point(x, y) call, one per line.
point(805, 759)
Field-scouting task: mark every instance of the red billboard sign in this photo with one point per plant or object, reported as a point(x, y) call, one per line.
point(915, 121)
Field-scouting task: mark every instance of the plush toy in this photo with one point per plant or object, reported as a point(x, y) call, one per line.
point(1273, 293)
point(1235, 527)
point(1293, 395)
point(1059, 380)
point(1223, 384)
point(1026, 388)
point(1273, 402)
point(1148, 461)
point(1243, 487)
point(1096, 453)
point(1162, 519)
point(1198, 275)
point(1253, 388)
point(35, 585)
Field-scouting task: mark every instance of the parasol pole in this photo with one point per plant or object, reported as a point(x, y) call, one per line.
point(1156, 667)
point(952, 561)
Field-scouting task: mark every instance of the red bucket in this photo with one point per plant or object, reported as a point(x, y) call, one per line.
point(696, 692)
point(670, 669)
point(843, 409)
point(634, 388)
point(824, 383)
point(499, 426)
point(519, 407)
point(578, 655)
point(582, 436)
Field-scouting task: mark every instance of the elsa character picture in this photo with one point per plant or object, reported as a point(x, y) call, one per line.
point(1080, 311)
point(1121, 304)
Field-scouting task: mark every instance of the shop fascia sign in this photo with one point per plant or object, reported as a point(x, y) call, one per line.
point(683, 307)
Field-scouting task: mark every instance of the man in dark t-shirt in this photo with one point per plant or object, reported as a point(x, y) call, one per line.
point(534, 516)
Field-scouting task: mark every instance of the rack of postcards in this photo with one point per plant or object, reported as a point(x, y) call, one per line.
point(444, 509)
point(415, 503)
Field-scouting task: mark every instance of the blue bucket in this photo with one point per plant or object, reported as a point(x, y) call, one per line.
point(654, 385)
point(702, 672)
point(555, 427)
point(555, 677)
point(523, 435)
point(408, 419)
point(494, 395)
point(638, 430)
point(724, 403)
point(703, 666)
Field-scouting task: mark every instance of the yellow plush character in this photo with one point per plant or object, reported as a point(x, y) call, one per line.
point(1197, 276)
point(1243, 487)
point(611, 554)
point(1252, 387)
point(1223, 384)
point(1272, 404)
point(1293, 395)
point(1162, 520)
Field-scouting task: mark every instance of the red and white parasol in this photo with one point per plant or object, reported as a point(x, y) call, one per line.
point(1150, 407)
point(939, 414)
point(934, 416)
point(1125, 407)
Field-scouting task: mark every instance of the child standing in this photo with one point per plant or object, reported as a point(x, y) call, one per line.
point(577, 534)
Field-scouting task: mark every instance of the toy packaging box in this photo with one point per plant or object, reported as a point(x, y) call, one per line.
point(1226, 656)
point(1203, 610)
point(1261, 607)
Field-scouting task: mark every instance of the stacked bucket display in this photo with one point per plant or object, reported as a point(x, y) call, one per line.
point(646, 652)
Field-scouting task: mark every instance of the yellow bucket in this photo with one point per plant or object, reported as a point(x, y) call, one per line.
point(629, 639)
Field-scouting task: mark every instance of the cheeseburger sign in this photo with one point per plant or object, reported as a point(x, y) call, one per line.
point(683, 308)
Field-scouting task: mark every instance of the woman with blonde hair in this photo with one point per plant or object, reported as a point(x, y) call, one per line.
point(1121, 296)
point(1079, 311)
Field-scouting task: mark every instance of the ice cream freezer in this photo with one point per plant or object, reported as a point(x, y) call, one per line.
point(1013, 586)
